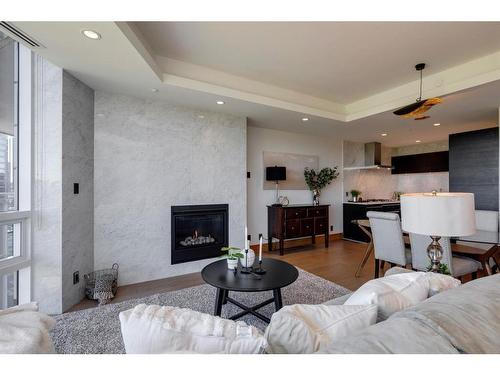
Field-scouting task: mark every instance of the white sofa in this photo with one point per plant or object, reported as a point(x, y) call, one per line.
point(463, 319)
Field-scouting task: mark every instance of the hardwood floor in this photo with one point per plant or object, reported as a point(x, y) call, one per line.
point(337, 263)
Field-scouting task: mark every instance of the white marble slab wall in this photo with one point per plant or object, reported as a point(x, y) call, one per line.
point(149, 156)
point(77, 167)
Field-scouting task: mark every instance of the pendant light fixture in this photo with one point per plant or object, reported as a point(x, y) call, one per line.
point(417, 110)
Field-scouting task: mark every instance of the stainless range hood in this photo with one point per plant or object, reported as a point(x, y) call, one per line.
point(373, 157)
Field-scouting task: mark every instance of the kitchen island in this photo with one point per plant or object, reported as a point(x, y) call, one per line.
point(358, 210)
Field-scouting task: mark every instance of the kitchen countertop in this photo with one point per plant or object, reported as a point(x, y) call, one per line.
point(373, 203)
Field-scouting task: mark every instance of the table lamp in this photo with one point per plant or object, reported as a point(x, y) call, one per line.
point(276, 174)
point(438, 215)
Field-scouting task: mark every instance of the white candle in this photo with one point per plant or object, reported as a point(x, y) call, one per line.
point(260, 248)
point(246, 237)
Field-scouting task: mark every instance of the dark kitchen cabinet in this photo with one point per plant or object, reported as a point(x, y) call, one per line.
point(357, 211)
point(420, 163)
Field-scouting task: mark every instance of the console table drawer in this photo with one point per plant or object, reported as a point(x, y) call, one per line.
point(318, 211)
point(292, 228)
point(295, 213)
point(306, 227)
point(320, 225)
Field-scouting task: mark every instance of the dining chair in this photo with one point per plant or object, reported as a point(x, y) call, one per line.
point(487, 221)
point(457, 265)
point(388, 240)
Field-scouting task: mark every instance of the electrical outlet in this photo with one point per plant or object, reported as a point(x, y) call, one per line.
point(76, 188)
point(76, 277)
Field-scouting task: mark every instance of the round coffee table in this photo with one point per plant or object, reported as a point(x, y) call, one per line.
point(279, 274)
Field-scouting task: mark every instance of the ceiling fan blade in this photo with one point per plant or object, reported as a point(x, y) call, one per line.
point(406, 110)
point(418, 108)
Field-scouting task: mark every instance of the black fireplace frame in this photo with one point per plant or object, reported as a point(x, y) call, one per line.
point(181, 254)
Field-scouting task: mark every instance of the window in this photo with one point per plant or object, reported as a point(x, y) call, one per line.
point(15, 172)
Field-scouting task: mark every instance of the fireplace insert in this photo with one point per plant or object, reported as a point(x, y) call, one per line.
point(198, 231)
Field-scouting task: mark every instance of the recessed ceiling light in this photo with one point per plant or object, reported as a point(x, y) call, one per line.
point(418, 141)
point(100, 115)
point(91, 34)
point(437, 124)
point(201, 116)
point(384, 134)
point(220, 102)
point(305, 119)
point(154, 90)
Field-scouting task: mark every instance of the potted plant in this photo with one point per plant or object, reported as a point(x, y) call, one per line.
point(232, 254)
point(317, 181)
point(355, 194)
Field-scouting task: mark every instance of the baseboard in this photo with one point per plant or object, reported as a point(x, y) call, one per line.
point(297, 242)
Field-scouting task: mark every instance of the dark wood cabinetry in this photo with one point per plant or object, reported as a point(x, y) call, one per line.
point(296, 221)
point(420, 163)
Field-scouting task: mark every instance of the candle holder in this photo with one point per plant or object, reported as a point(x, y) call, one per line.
point(259, 270)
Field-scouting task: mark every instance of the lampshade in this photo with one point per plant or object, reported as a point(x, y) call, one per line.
point(276, 173)
point(438, 214)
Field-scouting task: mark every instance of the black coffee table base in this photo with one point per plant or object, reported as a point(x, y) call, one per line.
point(223, 297)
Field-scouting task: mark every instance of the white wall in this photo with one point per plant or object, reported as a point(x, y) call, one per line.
point(148, 156)
point(329, 151)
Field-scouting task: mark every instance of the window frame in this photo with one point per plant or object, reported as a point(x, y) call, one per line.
point(23, 174)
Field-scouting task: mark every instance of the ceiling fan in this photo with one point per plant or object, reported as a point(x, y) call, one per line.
point(417, 110)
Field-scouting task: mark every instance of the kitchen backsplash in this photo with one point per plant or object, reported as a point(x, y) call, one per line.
point(380, 183)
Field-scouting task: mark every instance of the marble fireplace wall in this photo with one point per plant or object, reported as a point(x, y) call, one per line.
point(63, 154)
point(148, 156)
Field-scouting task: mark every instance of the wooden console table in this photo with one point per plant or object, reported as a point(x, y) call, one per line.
point(295, 221)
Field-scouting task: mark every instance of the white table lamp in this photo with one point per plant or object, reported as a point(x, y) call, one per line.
point(438, 215)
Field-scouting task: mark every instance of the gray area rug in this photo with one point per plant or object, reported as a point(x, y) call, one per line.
point(97, 330)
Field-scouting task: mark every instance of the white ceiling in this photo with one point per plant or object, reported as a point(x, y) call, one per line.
point(338, 61)
point(125, 61)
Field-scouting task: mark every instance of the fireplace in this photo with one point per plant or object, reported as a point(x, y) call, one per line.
point(198, 232)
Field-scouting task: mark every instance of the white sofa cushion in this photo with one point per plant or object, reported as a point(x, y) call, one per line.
point(165, 329)
point(24, 330)
point(392, 293)
point(307, 328)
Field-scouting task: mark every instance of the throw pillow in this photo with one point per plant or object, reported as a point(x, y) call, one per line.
point(166, 329)
point(299, 329)
point(24, 330)
point(392, 293)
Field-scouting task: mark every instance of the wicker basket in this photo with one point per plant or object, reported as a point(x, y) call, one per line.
point(91, 277)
